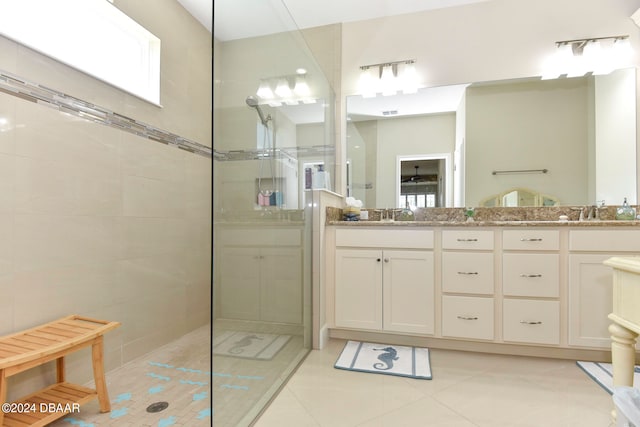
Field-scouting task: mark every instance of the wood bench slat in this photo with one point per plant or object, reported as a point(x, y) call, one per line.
point(24, 344)
point(60, 335)
point(49, 337)
point(35, 339)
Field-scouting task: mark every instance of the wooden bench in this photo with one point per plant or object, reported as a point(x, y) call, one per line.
point(52, 341)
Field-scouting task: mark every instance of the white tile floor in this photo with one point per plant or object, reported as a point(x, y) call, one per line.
point(467, 389)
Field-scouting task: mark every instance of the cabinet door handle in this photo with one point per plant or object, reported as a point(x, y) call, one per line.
point(467, 240)
point(531, 275)
point(531, 240)
point(379, 259)
point(528, 322)
point(468, 273)
point(386, 260)
point(467, 318)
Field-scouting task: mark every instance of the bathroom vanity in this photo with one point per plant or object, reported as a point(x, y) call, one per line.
point(526, 287)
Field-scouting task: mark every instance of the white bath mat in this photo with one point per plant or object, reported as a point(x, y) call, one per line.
point(397, 360)
point(602, 373)
point(249, 345)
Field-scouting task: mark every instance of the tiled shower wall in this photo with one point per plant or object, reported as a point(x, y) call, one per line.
point(97, 221)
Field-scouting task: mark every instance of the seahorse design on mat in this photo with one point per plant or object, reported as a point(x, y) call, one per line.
point(390, 354)
point(244, 342)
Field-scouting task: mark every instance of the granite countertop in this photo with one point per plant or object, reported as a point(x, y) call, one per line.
point(525, 223)
point(488, 217)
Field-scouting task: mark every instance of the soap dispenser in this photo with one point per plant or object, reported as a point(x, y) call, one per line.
point(625, 212)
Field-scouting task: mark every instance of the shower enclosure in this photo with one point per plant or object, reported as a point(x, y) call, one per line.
point(271, 152)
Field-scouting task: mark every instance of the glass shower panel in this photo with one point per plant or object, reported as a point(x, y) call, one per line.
point(263, 148)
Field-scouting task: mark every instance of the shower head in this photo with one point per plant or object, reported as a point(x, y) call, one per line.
point(253, 103)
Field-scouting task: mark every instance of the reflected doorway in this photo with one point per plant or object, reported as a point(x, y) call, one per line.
point(422, 182)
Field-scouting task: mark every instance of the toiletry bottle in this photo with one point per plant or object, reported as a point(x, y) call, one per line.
point(625, 212)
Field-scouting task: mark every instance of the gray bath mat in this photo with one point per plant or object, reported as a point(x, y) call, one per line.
point(602, 374)
point(412, 362)
point(249, 345)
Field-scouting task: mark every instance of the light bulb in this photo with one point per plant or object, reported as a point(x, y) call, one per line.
point(282, 89)
point(367, 83)
point(387, 81)
point(409, 79)
point(302, 88)
point(264, 91)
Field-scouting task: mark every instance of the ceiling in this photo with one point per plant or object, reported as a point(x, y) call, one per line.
point(236, 19)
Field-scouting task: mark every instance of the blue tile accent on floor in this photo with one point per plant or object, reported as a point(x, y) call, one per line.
point(80, 423)
point(117, 413)
point(160, 377)
point(200, 396)
point(165, 422)
point(122, 397)
point(157, 389)
point(204, 414)
point(200, 383)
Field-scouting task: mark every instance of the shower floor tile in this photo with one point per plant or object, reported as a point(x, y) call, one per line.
point(178, 373)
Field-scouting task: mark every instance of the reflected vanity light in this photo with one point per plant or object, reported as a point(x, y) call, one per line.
point(388, 78)
point(276, 91)
point(597, 55)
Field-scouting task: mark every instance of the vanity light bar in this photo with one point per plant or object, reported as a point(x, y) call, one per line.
point(520, 171)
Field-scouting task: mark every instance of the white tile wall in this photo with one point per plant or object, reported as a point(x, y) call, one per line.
point(100, 222)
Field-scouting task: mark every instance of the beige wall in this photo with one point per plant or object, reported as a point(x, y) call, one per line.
point(102, 223)
point(534, 125)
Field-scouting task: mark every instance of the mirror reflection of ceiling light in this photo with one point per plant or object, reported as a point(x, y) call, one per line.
point(276, 91)
point(388, 78)
point(598, 55)
point(264, 91)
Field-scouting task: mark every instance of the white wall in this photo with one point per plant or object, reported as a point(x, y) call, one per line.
point(615, 135)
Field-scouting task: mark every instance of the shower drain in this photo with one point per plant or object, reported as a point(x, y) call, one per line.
point(157, 407)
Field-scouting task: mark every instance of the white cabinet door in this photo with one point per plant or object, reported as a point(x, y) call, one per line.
point(240, 284)
point(280, 285)
point(408, 291)
point(358, 288)
point(590, 300)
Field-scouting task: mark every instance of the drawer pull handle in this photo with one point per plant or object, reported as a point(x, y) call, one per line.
point(467, 318)
point(528, 322)
point(467, 240)
point(468, 273)
point(531, 275)
point(531, 240)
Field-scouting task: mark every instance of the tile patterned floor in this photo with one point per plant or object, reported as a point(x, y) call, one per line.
point(178, 373)
point(467, 390)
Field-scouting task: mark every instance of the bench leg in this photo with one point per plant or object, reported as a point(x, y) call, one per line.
point(97, 358)
point(3, 393)
point(60, 375)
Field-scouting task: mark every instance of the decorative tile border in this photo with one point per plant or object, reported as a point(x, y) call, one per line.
point(39, 94)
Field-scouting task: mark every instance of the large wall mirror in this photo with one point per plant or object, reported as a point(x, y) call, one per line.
point(572, 141)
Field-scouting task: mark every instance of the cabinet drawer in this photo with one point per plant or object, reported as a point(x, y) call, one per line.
point(531, 321)
point(467, 239)
point(407, 239)
point(467, 317)
point(532, 275)
point(465, 272)
point(604, 240)
point(531, 239)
